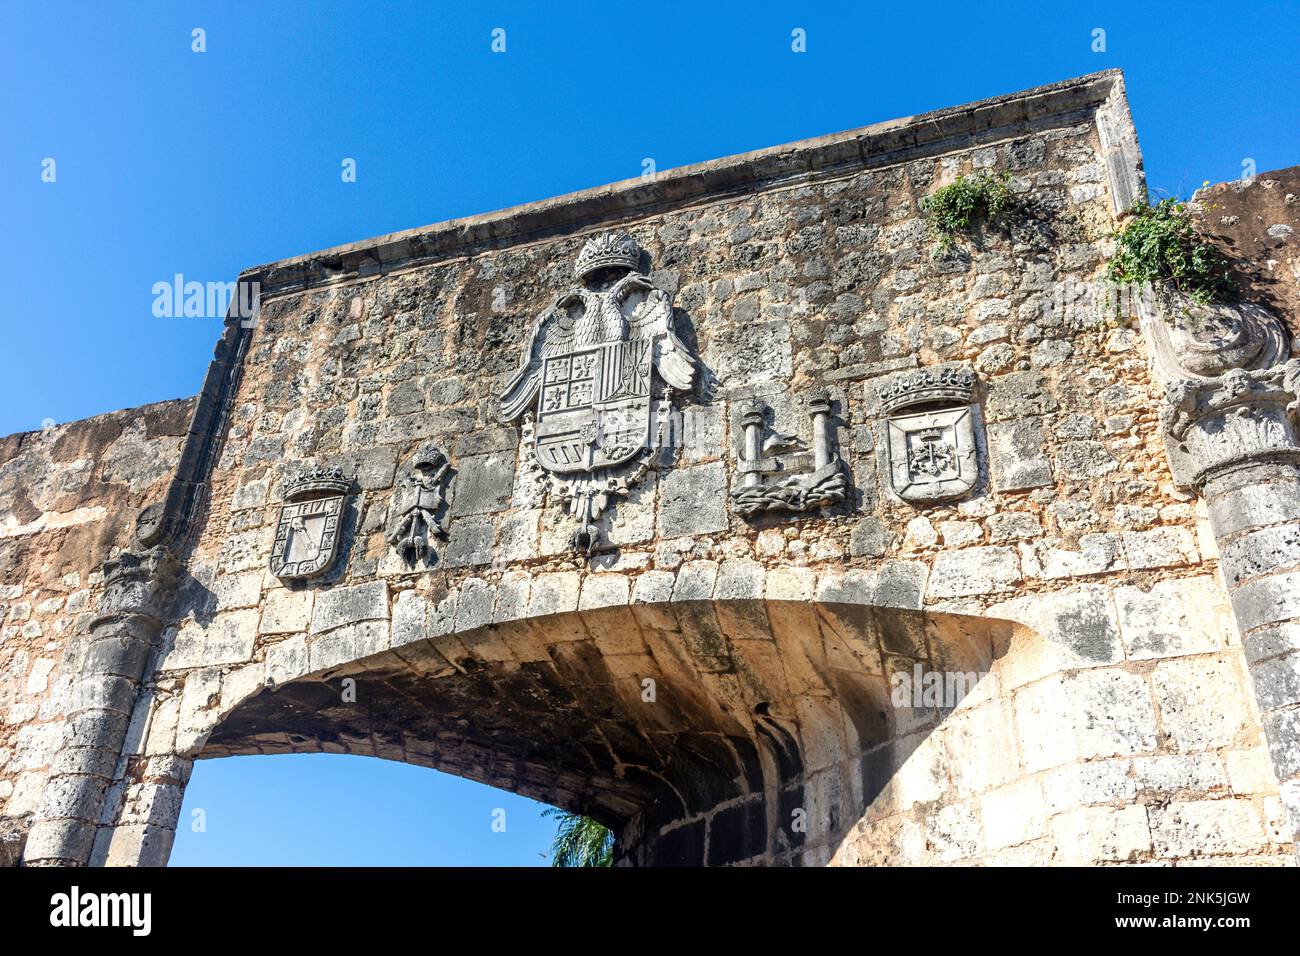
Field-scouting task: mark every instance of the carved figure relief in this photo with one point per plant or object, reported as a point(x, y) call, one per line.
point(597, 366)
point(419, 510)
point(777, 473)
point(307, 532)
point(931, 434)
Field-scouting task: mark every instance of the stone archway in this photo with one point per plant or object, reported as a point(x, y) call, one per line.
point(713, 732)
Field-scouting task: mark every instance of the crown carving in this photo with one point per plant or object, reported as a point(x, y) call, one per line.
point(949, 385)
point(608, 250)
point(317, 480)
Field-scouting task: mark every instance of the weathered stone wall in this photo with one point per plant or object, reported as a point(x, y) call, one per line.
point(1255, 223)
point(1110, 719)
point(69, 496)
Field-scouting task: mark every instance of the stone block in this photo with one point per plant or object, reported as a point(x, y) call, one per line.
point(554, 593)
point(1174, 618)
point(482, 484)
point(870, 538)
point(228, 639)
point(693, 500)
point(1160, 548)
point(740, 579)
point(340, 606)
point(1016, 457)
point(1183, 686)
point(470, 542)
point(285, 611)
point(1204, 827)
point(973, 571)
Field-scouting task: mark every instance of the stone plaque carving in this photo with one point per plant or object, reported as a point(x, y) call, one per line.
point(932, 451)
point(777, 472)
point(419, 510)
point(597, 369)
point(308, 530)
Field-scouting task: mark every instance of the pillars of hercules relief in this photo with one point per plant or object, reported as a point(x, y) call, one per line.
point(1231, 433)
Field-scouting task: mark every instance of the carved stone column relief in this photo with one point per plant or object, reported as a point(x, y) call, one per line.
point(778, 473)
point(1230, 427)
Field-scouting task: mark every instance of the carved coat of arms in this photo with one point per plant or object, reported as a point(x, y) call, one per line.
point(308, 530)
point(595, 367)
point(931, 442)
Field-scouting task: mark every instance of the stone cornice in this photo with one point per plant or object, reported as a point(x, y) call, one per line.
point(879, 145)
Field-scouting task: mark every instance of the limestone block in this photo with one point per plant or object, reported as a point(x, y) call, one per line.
point(1013, 526)
point(1013, 814)
point(1091, 835)
point(482, 484)
point(1174, 618)
point(604, 590)
point(695, 581)
point(237, 590)
point(791, 584)
point(228, 639)
point(654, 587)
point(1112, 713)
point(693, 500)
point(1160, 548)
point(348, 643)
point(470, 542)
point(870, 538)
point(285, 611)
point(1204, 827)
point(1016, 458)
point(287, 659)
point(740, 578)
point(1251, 771)
point(973, 571)
point(1183, 686)
point(1083, 784)
point(340, 606)
point(554, 593)
point(1260, 552)
point(1171, 773)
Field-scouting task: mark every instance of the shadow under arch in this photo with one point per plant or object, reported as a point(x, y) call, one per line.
point(707, 732)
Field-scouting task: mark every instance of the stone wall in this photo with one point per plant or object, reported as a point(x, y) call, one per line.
point(1109, 717)
point(69, 496)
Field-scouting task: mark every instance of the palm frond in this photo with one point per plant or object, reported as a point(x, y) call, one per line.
point(580, 840)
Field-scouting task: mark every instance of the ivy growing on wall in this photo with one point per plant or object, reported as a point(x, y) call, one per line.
point(966, 201)
point(1159, 245)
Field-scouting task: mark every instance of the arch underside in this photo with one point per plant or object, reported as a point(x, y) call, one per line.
point(708, 732)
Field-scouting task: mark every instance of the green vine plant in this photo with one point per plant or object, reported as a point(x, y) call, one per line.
point(957, 207)
point(1159, 245)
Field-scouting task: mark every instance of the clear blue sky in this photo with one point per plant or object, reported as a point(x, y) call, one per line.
point(170, 161)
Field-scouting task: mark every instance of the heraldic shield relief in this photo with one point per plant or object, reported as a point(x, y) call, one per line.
point(589, 379)
point(932, 450)
point(307, 534)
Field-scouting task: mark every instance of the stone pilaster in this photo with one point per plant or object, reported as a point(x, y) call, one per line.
point(1231, 436)
point(122, 633)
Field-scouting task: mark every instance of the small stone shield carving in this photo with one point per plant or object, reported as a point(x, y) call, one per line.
point(308, 530)
point(932, 450)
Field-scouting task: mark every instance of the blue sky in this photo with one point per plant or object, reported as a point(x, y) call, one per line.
point(169, 161)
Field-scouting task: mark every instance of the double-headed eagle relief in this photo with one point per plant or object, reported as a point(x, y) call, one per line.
point(596, 366)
